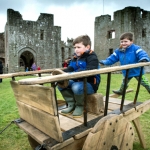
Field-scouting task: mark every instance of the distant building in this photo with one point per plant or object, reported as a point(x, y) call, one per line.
point(129, 19)
point(24, 42)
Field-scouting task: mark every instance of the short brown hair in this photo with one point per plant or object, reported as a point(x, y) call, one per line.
point(127, 35)
point(85, 39)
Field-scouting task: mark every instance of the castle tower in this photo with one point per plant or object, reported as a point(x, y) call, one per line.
point(130, 19)
point(31, 41)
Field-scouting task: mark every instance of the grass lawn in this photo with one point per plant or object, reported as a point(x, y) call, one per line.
point(13, 138)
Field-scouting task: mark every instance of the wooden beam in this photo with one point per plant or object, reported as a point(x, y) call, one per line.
point(38, 96)
point(10, 75)
point(137, 126)
point(41, 120)
point(82, 74)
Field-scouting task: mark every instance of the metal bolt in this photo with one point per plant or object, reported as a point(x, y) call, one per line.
point(132, 134)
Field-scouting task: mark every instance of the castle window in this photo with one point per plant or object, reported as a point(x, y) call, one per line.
point(110, 51)
point(41, 34)
point(143, 32)
point(111, 34)
point(141, 14)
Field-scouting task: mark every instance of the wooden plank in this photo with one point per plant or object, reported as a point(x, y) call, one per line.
point(92, 141)
point(117, 95)
point(90, 116)
point(137, 126)
point(76, 145)
point(17, 74)
point(61, 145)
point(36, 95)
point(67, 123)
point(127, 141)
point(82, 134)
point(41, 120)
point(112, 106)
point(117, 101)
point(80, 74)
point(138, 111)
point(33, 132)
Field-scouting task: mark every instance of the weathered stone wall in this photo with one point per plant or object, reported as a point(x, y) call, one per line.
point(129, 19)
point(41, 38)
point(2, 57)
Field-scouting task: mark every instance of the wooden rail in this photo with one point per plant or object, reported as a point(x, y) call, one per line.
point(17, 74)
point(82, 74)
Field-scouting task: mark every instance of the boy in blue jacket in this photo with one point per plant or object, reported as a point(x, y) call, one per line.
point(128, 53)
point(84, 59)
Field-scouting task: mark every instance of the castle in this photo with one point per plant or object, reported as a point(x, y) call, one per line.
point(24, 42)
point(129, 19)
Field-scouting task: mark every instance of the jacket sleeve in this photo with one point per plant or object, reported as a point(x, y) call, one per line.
point(69, 68)
point(113, 58)
point(142, 55)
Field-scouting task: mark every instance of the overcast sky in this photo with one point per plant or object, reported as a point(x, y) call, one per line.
point(76, 17)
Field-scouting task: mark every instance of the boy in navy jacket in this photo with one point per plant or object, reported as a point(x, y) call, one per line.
point(128, 53)
point(84, 59)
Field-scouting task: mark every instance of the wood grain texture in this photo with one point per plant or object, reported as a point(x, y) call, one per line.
point(43, 121)
point(110, 130)
point(36, 95)
point(17, 74)
point(80, 74)
point(95, 103)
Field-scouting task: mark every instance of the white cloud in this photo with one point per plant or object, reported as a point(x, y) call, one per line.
point(75, 17)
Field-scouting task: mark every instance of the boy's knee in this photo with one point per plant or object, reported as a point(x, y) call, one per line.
point(77, 88)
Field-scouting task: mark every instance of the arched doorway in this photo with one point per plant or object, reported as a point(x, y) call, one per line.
point(26, 59)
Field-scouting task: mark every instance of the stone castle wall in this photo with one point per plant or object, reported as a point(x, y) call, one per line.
point(40, 38)
point(2, 52)
point(129, 19)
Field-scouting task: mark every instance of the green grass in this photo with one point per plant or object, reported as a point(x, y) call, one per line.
point(13, 138)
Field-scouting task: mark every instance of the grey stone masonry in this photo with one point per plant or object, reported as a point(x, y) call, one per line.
point(130, 19)
point(32, 41)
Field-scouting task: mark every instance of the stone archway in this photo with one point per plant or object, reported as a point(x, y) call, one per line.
point(26, 57)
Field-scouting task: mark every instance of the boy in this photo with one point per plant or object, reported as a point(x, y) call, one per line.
point(84, 59)
point(128, 53)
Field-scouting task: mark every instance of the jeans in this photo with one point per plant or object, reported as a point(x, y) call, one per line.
point(78, 87)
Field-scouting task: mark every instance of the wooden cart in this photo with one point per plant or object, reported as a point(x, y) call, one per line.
point(105, 125)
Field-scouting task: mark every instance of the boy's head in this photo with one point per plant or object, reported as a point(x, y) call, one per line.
point(126, 39)
point(81, 44)
point(127, 35)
